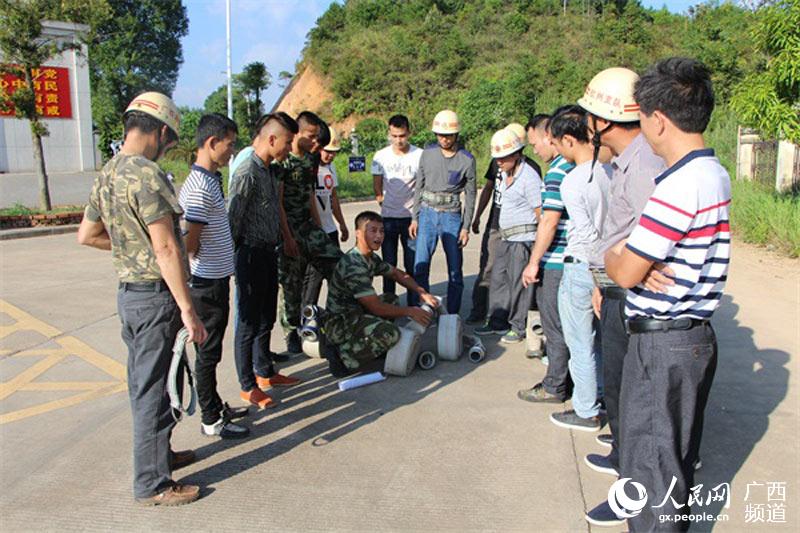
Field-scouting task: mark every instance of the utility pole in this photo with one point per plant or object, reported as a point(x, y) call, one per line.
point(228, 34)
point(565, 7)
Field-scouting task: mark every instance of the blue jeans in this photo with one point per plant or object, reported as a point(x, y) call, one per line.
point(394, 230)
point(433, 225)
point(577, 321)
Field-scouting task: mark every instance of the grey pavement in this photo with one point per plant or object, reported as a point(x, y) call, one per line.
point(65, 188)
point(447, 449)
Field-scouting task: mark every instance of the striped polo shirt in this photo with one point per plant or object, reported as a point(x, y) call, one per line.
point(203, 203)
point(685, 226)
point(553, 258)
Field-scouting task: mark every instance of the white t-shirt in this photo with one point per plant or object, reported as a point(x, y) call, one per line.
point(399, 174)
point(326, 181)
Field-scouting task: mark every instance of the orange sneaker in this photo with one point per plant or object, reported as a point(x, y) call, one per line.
point(277, 380)
point(258, 398)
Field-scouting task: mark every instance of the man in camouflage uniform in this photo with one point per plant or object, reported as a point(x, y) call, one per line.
point(133, 211)
point(359, 322)
point(304, 241)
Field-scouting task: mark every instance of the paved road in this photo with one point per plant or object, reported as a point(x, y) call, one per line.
point(65, 189)
point(448, 449)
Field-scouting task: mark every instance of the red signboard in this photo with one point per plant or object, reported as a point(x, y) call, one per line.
point(51, 86)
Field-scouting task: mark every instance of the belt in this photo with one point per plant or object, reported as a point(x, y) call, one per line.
point(646, 325)
point(517, 230)
point(612, 292)
point(435, 199)
point(571, 259)
point(200, 283)
point(144, 286)
point(601, 279)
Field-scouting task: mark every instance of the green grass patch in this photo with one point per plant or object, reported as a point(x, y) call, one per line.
point(759, 215)
point(19, 209)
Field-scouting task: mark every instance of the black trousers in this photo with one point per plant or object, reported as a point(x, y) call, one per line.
point(211, 299)
point(257, 294)
point(666, 380)
point(395, 230)
point(614, 343)
point(312, 284)
point(556, 380)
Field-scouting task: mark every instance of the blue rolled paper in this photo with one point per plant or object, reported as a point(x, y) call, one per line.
point(360, 381)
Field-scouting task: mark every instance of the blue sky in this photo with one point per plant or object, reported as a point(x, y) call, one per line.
point(270, 31)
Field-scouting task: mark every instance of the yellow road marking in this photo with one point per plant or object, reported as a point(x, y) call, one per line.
point(24, 321)
point(68, 346)
point(10, 387)
point(61, 403)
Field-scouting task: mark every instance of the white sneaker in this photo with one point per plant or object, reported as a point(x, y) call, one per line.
point(224, 429)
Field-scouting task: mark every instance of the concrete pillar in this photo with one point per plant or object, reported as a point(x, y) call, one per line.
point(788, 166)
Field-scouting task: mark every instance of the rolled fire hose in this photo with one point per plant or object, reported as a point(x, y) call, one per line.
point(311, 348)
point(448, 340)
point(402, 357)
point(360, 381)
point(179, 360)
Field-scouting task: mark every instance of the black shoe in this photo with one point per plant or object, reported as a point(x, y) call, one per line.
point(570, 420)
point(281, 357)
point(606, 439)
point(335, 363)
point(224, 429)
point(604, 516)
point(474, 320)
point(600, 463)
point(293, 343)
point(537, 394)
point(234, 413)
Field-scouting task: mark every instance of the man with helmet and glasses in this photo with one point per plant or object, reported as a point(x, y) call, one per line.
point(614, 123)
point(445, 171)
point(134, 213)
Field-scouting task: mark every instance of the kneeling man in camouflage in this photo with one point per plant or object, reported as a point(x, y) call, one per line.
point(359, 324)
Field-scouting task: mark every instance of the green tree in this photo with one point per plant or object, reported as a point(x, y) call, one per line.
point(769, 98)
point(25, 48)
point(285, 78)
point(137, 49)
point(217, 102)
point(252, 81)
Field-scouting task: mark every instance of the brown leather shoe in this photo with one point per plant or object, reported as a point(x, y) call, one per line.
point(175, 495)
point(178, 460)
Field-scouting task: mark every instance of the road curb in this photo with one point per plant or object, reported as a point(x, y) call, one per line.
point(25, 233)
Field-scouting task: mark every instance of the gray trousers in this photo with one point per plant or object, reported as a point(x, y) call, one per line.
point(150, 323)
point(480, 291)
point(556, 380)
point(509, 301)
point(666, 380)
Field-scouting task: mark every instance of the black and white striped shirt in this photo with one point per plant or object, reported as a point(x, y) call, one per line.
point(203, 203)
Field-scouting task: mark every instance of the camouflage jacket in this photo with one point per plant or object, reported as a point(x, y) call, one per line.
point(299, 177)
point(130, 193)
point(351, 280)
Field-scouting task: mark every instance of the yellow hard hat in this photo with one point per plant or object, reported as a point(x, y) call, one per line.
point(519, 130)
point(446, 123)
point(505, 142)
point(610, 95)
point(158, 106)
point(335, 144)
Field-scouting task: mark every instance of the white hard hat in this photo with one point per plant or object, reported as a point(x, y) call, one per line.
point(505, 142)
point(519, 130)
point(334, 145)
point(610, 95)
point(158, 106)
point(446, 123)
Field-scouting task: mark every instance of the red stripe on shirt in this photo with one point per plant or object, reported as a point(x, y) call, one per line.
point(709, 230)
point(659, 229)
point(709, 208)
point(676, 209)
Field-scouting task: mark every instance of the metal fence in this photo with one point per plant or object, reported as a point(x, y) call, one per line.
point(765, 162)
